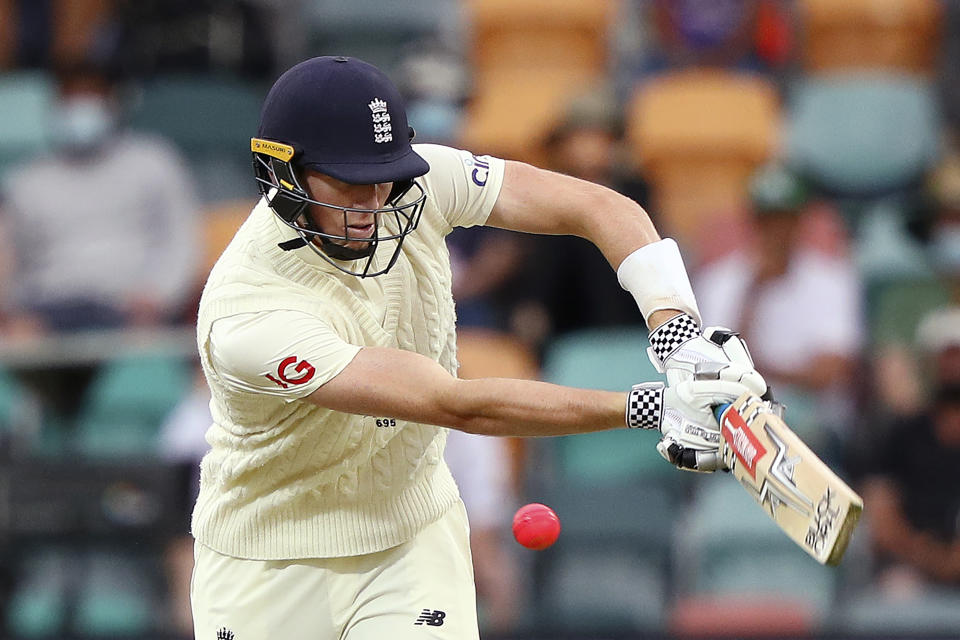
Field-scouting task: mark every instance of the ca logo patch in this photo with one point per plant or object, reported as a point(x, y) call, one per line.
point(481, 170)
point(285, 374)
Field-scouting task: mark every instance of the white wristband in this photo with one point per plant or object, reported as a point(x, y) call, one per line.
point(657, 279)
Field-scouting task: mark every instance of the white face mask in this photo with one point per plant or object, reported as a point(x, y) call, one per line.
point(82, 123)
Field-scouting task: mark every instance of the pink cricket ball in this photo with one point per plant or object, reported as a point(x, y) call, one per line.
point(536, 526)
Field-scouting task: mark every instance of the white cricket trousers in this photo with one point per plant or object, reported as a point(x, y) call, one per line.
point(419, 590)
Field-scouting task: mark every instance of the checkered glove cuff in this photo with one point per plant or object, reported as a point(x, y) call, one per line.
point(645, 406)
point(673, 334)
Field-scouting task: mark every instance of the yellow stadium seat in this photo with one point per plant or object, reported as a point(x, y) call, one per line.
point(698, 135)
point(512, 111)
point(529, 57)
point(540, 33)
point(8, 33)
point(76, 24)
point(220, 223)
point(871, 34)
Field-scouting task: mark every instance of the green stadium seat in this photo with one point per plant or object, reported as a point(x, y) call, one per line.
point(930, 614)
point(199, 113)
point(616, 498)
point(26, 98)
point(373, 30)
point(863, 133)
point(595, 590)
point(729, 547)
point(884, 251)
point(38, 605)
point(116, 598)
point(613, 360)
point(610, 569)
point(211, 120)
point(127, 402)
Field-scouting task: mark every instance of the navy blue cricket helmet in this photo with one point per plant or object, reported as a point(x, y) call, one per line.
point(344, 118)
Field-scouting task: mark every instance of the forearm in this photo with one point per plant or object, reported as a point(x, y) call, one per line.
point(507, 407)
point(408, 386)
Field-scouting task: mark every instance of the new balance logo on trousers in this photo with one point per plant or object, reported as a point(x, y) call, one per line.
point(431, 618)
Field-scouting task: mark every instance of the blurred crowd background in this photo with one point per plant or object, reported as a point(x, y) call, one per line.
point(804, 153)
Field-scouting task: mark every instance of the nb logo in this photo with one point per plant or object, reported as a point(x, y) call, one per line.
point(431, 618)
point(224, 634)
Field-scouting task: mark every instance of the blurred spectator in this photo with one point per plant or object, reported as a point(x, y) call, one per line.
point(797, 306)
point(753, 35)
point(484, 263)
point(481, 466)
point(901, 305)
point(949, 71)
point(484, 260)
point(103, 231)
point(912, 493)
point(436, 84)
point(220, 36)
point(566, 281)
point(182, 443)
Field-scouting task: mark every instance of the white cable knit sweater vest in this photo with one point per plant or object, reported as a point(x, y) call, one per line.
point(292, 480)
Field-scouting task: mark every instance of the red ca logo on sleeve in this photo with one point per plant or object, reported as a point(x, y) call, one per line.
point(284, 379)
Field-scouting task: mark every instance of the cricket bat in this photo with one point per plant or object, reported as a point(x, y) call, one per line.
point(807, 500)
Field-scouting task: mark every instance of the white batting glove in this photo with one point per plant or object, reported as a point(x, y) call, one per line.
point(677, 347)
point(683, 413)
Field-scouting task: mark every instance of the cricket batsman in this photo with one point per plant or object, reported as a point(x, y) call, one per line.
point(326, 334)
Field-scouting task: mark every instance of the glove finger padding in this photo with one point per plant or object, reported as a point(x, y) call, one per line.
point(730, 372)
point(731, 344)
point(691, 435)
point(689, 459)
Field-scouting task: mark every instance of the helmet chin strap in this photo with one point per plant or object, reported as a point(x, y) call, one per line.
point(328, 246)
point(340, 252)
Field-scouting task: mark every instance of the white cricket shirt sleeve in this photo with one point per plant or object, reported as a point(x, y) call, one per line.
point(283, 353)
point(463, 186)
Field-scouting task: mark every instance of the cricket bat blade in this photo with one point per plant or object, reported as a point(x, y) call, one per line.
point(807, 500)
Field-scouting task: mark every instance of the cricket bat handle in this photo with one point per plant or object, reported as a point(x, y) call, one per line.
point(719, 409)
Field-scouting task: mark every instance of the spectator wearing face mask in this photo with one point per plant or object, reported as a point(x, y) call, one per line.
point(102, 231)
point(902, 305)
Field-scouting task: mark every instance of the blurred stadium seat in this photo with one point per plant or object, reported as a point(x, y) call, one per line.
point(935, 613)
point(617, 499)
point(863, 134)
point(8, 32)
point(377, 31)
point(26, 98)
point(127, 402)
point(534, 34)
point(612, 360)
point(729, 551)
point(698, 135)
point(220, 224)
point(116, 596)
point(528, 60)
point(509, 115)
point(870, 34)
point(38, 605)
point(211, 120)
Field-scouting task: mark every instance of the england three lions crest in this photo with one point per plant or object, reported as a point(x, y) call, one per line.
point(382, 129)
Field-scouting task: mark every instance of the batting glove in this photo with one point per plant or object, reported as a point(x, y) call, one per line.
point(677, 347)
point(683, 414)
